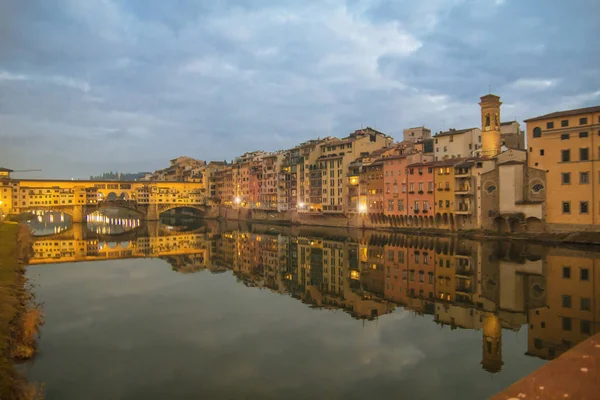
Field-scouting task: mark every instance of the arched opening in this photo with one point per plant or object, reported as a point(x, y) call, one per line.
point(112, 196)
point(445, 219)
point(410, 220)
point(431, 225)
point(516, 226)
point(500, 225)
point(438, 219)
point(534, 225)
point(420, 221)
point(124, 196)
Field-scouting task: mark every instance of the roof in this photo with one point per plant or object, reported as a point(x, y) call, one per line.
point(453, 132)
point(512, 162)
point(507, 123)
point(448, 162)
point(5, 169)
point(566, 113)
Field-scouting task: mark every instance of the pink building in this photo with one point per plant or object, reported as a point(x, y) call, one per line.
point(421, 198)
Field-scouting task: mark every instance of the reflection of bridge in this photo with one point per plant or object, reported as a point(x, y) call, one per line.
point(79, 244)
point(79, 198)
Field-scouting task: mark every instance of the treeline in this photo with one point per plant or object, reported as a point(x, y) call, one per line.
point(116, 176)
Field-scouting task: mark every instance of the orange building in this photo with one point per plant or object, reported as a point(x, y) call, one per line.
point(567, 145)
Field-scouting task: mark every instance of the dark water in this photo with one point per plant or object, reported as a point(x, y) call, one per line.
point(271, 313)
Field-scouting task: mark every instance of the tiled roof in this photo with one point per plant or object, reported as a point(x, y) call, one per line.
point(566, 113)
point(507, 123)
point(5, 169)
point(453, 132)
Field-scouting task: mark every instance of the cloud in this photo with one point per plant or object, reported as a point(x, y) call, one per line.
point(216, 79)
point(533, 84)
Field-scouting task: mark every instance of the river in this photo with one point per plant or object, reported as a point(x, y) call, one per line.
point(169, 311)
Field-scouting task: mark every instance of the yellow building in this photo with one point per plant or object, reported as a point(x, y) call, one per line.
point(444, 194)
point(567, 144)
point(490, 123)
point(5, 192)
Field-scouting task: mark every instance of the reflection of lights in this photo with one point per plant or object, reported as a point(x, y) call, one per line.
point(354, 275)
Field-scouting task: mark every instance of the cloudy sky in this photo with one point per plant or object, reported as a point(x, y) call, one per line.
point(91, 86)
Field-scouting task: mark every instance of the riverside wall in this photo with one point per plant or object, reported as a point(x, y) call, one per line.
point(546, 234)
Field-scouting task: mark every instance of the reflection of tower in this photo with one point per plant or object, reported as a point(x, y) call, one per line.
point(492, 343)
point(490, 125)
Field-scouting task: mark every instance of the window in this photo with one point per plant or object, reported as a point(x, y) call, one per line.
point(549, 125)
point(566, 301)
point(584, 178)
point(585, 327)
point(583, 207)
point(400, 205)
point(584, 274)
point(538, 187)
point(445, 148)
point(541, 152)
point(425, 205)
point(583, 135)
point(537, 132)
point(421, 274)
point(565, 155)
point(390, 205)
point(566, 324)
point(583, 121)
point(566, 272)
point(441, 204)
point(584, 154)
point(416, 205)
point(564, 122)
point(447, 203)
point(565, 178)
point(585, 304)
point(564, 136)
point(566, 207)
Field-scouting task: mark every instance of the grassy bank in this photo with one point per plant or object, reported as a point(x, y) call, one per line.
point(20, 318)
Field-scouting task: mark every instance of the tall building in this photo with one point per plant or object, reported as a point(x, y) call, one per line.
point(565, 144)
point(490, 122)
point(336, 158)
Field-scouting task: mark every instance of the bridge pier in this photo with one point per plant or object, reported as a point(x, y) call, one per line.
point(152, 213)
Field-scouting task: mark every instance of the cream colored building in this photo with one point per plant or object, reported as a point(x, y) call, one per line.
point(336, 157)
point(462, 143)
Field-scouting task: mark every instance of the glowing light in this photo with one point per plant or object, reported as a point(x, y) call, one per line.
point(238, 200)
point(301, 205)
point(362, 208)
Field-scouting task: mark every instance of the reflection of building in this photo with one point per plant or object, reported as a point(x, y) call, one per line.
point(572, 310)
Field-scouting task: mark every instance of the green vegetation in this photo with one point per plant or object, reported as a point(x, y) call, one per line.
point(20, 317)
point(116, 176)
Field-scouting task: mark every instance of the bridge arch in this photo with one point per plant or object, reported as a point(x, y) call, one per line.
point(112, 196)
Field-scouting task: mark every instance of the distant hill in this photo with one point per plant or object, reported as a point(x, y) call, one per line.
point(117, 176)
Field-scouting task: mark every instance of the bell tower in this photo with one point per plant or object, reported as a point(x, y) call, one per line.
point(490, 125)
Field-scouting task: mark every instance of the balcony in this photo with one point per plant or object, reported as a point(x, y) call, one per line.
point(464, 286)
point(464, 190)
point(463, 209)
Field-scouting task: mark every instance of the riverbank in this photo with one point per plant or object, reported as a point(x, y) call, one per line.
point(20, 317)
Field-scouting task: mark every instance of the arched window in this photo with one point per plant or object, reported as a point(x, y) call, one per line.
point(537, 132)
point(491, 188)
point(487, 119)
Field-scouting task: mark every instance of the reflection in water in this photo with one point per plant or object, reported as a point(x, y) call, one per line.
point(490, 287)
point(99, 222)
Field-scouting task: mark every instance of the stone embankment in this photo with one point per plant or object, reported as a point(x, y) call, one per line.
point(573, 375)
point(20, 317)
point(365, 222)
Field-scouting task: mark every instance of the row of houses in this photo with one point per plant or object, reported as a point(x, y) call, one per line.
point(474, 178)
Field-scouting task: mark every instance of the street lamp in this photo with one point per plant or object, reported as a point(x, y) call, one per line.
point(362, 208)
point(301, 205)
point(238, 200)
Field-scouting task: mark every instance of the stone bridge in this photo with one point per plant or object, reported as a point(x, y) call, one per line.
point(80, 198)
